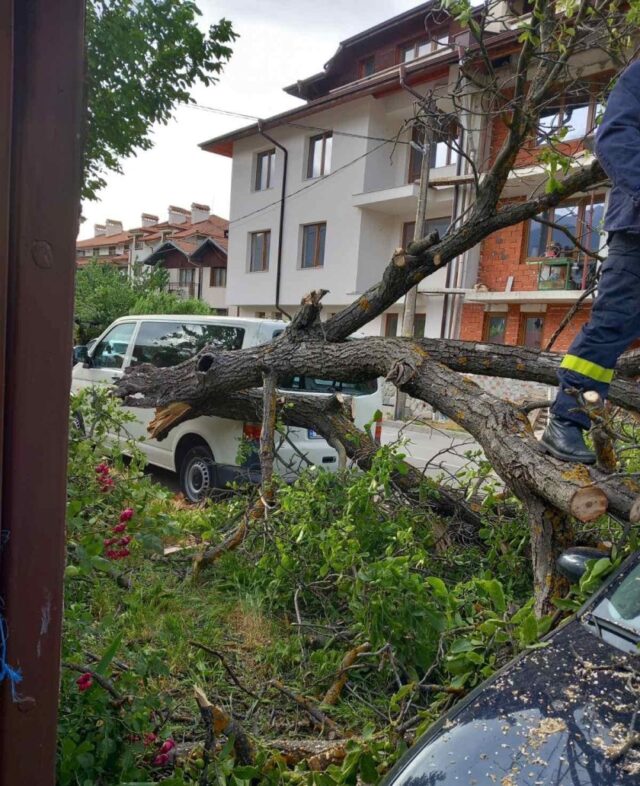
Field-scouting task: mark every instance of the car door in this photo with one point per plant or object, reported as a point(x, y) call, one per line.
point(108, 359)
point(166, 343)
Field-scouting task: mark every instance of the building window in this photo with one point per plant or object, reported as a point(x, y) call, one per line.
point(112, 251)
point(441, 224)
point(441, 152)
point(260, 314)
point(260, 244)
point(423, 46)
point(419, 324)
point(186, 276)
point(265, 170)
point(367, 66)
point(495, 328)
point(313, 241)
point(319, 161)
point(577, 115)
point(531, 327)
point(218, 277)
point(582, 219)
point(391, 325)
point(138, 245)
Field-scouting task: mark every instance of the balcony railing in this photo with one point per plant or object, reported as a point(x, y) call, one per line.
point(564, 273)
point(186, 291)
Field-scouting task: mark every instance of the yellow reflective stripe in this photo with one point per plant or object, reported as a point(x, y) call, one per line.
point(587, 368)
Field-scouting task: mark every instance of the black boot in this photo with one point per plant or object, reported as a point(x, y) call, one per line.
point(565, 440)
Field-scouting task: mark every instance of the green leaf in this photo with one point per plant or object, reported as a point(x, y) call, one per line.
point(529, 629)
point(108, 656)
point(494, 590)
point(368, 771)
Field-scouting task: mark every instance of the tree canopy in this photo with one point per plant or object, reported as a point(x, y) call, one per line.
point(143, 58)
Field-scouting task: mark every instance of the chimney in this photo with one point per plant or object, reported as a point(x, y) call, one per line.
point(113, 227)
point(199, 212)
point(99, 230)
point(148, 219)
point(178, 215)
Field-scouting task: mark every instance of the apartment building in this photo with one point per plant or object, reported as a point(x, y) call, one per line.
point(351, 192)
point(191, 244)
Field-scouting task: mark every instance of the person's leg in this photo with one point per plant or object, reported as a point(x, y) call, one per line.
point(589, 363)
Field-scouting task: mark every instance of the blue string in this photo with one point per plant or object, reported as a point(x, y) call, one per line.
point(6, 672)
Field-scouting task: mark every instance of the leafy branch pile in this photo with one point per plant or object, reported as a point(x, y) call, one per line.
point(336, 633)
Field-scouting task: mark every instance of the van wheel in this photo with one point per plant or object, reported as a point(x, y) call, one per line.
point(197, 473)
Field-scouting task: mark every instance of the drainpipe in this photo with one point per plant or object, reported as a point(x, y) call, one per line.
point(285, 153)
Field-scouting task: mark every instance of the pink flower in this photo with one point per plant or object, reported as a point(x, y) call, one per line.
point(125, 541)
point(109, 541)
point(84, 682)
point(123, 553)
point(102, 469)
point(111, 554)
point(167, 745)
point(161, 760)
point(120, 527)
point(149, 738)
point(126, 515)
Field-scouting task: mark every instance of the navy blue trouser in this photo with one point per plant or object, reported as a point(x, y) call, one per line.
point(613, 326)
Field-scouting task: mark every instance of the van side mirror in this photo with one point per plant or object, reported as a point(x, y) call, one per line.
point(80, 354)
point(572, 563)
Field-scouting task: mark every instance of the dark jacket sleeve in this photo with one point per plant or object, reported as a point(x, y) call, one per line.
point(618, 138)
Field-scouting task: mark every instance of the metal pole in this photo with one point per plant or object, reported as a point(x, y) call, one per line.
point(41, 63)
point(409, 311)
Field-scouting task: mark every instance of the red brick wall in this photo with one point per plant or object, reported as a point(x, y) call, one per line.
point(473, 317)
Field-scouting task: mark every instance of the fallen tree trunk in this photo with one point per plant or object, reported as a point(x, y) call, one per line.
point(550, 489)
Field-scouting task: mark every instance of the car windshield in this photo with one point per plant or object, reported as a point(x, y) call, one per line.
point(313, 385)
point(621, 607)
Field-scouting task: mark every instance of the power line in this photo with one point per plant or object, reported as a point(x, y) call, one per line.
point(314, 182)
point(290, 123)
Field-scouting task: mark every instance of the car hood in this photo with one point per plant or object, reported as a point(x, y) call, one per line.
point(556, 716)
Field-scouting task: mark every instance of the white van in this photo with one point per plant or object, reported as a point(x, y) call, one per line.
point(204, 451)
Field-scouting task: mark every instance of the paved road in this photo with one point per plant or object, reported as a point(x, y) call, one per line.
point(442, 450)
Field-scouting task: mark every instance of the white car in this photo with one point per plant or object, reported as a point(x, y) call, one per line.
point(204, 451)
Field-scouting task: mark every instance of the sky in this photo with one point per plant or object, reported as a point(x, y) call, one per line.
point(280, 42)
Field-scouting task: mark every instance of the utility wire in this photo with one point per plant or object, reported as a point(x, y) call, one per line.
point(311, 184)
point(228, 113)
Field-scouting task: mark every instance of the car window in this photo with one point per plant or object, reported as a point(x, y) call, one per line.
point(313, 385)
point(622, 605)
point(166, 344)
point(111, 351)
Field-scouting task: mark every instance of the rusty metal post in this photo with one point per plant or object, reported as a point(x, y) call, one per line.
point(41, 75)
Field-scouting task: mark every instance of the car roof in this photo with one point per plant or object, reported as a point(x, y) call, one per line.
point(200, 318)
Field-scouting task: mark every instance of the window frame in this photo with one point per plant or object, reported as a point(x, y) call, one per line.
point(489, 315)
point(362, 66)
point(325, 166)
point(318, 225)
point(585, 231)
point(212, 277)
point(391, 318)
point(415, 156)
point(524, 316)
point(266, 251)
point(591, 102)
point(433, 42)
point(270, 156)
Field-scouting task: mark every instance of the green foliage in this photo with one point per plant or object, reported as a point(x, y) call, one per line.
point(337, 550)
point(143, 58)
point(105, 292)
point(159, 302)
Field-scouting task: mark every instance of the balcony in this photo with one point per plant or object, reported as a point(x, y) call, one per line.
point(185, 291)
point(563, 273)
